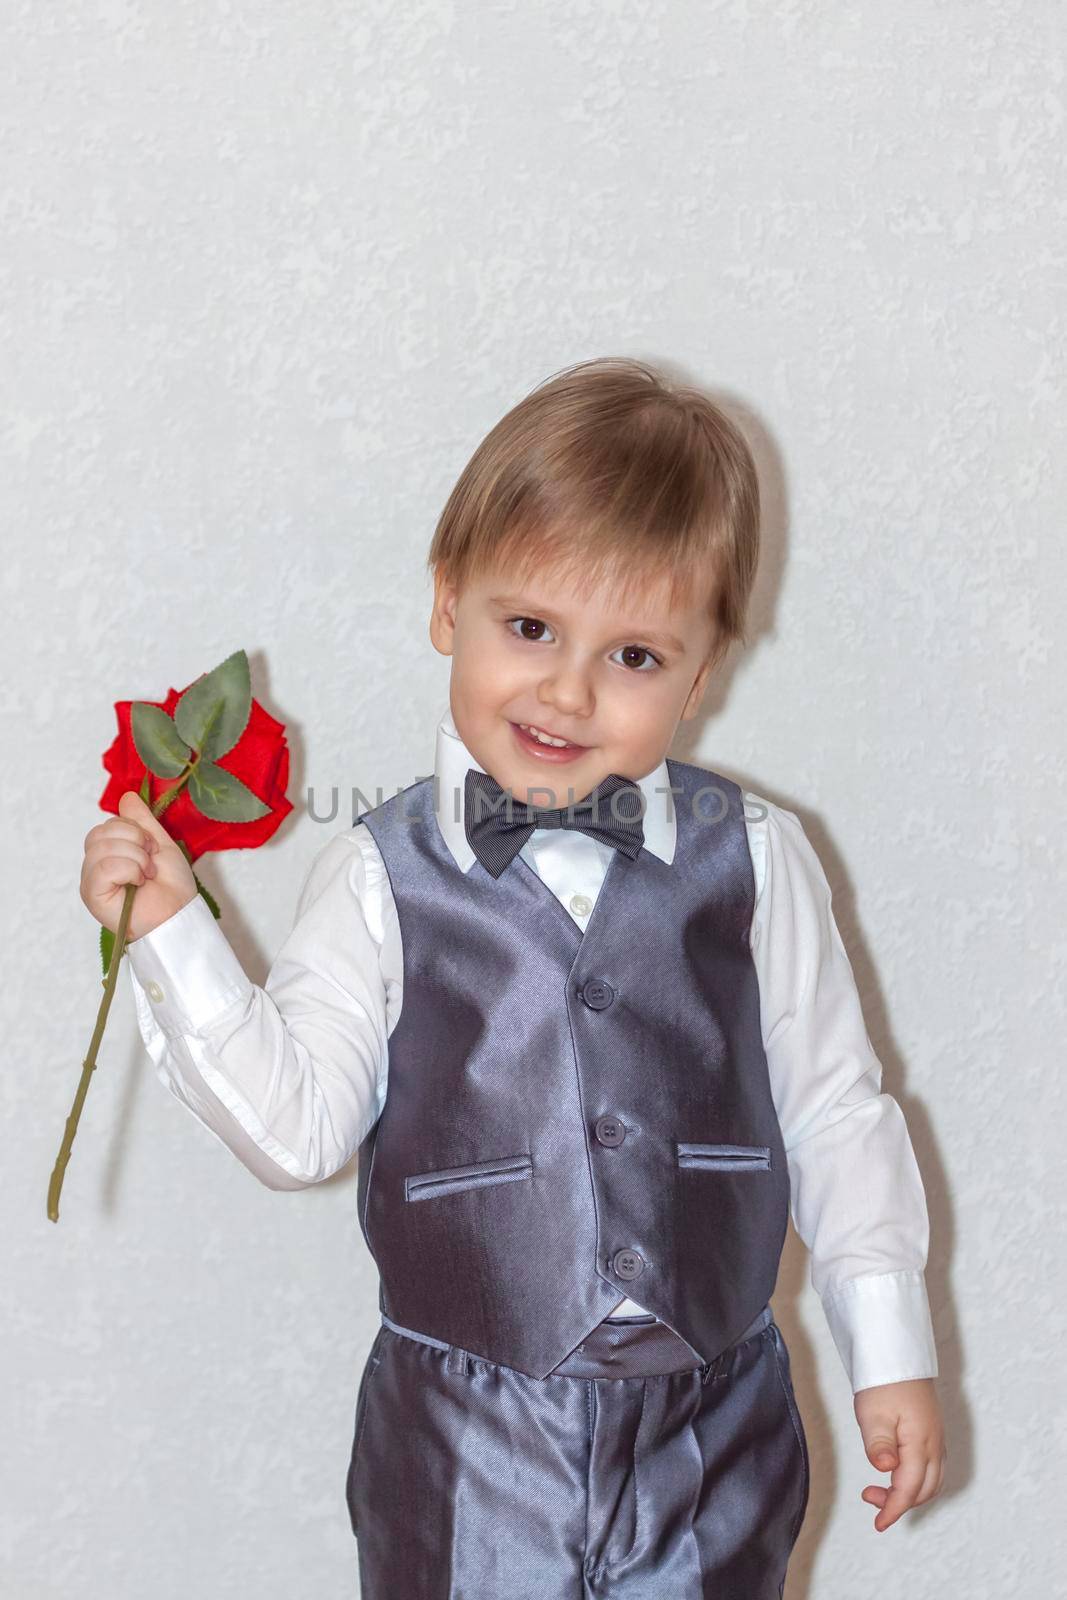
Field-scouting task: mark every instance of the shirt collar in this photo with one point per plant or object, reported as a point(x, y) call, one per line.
point(450, 771)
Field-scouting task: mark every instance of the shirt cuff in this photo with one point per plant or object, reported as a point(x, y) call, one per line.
point(187, 969)
point(881, 1325)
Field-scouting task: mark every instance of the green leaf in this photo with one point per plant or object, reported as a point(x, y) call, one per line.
point(212, 902)
point(222, 797)
point(157, 741)
point(107, 945)
point(213, 712)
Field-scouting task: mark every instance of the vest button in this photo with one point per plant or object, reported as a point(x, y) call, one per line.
point(597, 994)
point(627, 1264)
point(610, 1131)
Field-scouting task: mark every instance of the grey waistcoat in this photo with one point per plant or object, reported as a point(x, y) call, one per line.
point(571, 1117)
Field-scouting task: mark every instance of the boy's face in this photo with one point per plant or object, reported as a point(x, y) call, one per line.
point(613, 680)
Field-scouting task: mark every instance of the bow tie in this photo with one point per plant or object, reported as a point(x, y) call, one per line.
point(498, 825)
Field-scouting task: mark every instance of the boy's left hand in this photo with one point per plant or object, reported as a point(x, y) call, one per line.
point(903, 1434)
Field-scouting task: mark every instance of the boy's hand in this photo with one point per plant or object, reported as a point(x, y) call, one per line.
point(134, 848)
point(903, 1434)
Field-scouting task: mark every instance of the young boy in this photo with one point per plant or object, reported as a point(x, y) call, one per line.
point(585, 1013)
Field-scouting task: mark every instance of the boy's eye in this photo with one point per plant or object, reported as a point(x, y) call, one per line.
point(632, 650)
point(647, 662)
point(534, 622)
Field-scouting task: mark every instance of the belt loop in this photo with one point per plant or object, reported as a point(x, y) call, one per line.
point(458, 1361)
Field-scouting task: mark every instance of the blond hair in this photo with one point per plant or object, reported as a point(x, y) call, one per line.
point(609, 471)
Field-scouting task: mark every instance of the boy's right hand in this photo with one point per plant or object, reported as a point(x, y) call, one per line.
point(134, 848)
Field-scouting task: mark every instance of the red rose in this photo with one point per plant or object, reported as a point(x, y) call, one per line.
point(217, 764)
point(260, 758)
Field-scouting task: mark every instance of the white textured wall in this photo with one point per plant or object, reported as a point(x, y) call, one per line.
point(269, 273)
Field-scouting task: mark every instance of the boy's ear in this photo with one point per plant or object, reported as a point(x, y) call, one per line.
point(443, 614)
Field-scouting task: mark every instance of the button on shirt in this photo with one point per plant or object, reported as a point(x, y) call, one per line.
point(293, 1075)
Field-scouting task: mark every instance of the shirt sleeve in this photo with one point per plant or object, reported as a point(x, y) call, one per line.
point(856, 1195)
point(291, 1076)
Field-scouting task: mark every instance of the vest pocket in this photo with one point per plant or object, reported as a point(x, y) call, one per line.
point(450, 1180)
point(724, 1157)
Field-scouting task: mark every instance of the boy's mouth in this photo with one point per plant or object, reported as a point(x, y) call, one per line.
point(544, 744)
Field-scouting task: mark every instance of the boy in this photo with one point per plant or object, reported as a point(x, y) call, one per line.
point(586, 1015)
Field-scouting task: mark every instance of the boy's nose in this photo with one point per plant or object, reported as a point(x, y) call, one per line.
point(568, 693)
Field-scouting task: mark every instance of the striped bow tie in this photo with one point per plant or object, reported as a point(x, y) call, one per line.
point(498, 825)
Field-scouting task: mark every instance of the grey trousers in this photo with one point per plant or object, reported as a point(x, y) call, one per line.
point(632, 1470)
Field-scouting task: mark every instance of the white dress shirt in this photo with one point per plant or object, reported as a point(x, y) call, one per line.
point(292, 1076)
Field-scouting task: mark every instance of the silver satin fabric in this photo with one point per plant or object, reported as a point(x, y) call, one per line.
point(499, 1215)
point(663, 1478)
